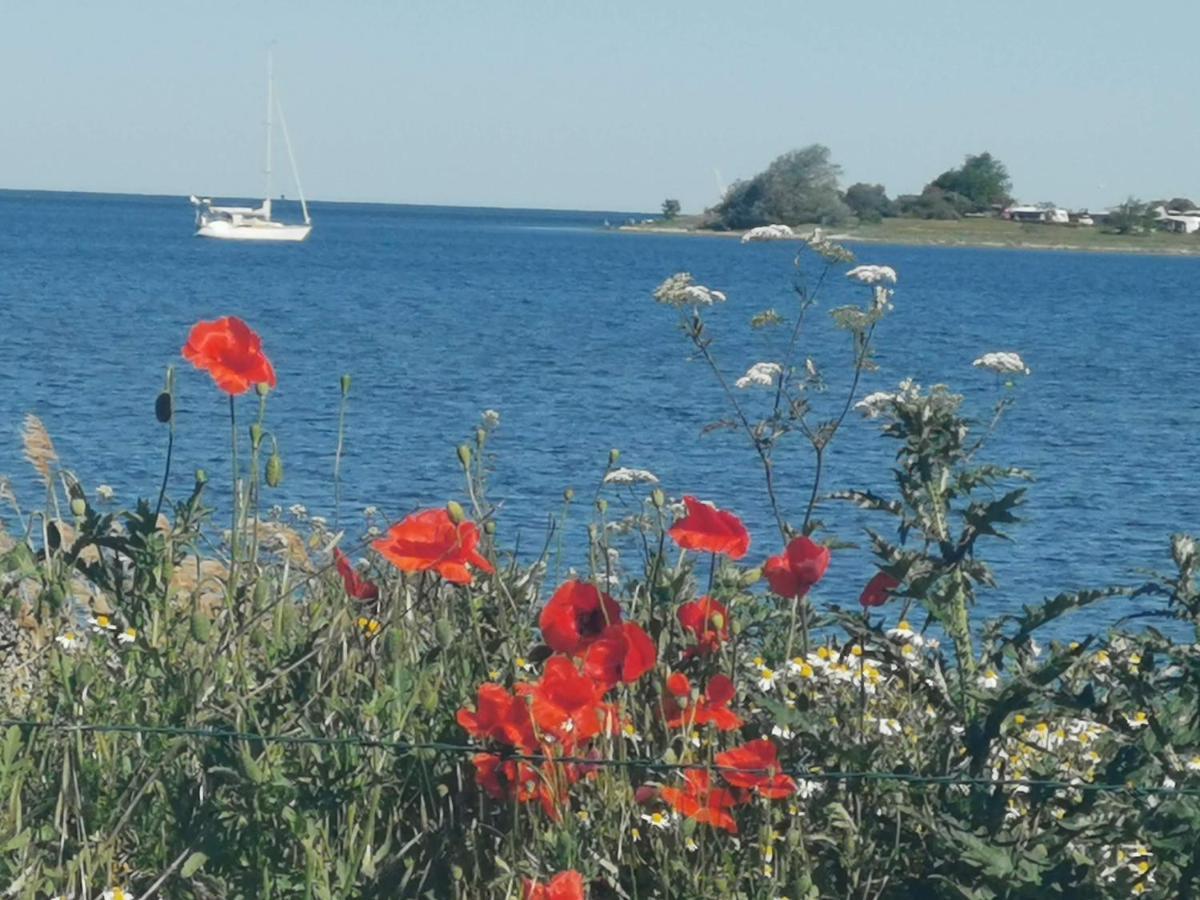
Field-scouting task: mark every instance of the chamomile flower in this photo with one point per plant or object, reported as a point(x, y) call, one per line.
point(128, 636)
point(989, 680)
point(657, 819)
point(1138, 720)
point(101, 624)
point(68, 641)
point(767, 678)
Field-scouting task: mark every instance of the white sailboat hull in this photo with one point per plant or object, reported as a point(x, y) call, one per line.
point(253, 231)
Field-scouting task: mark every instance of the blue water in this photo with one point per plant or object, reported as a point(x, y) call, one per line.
point(439, 313)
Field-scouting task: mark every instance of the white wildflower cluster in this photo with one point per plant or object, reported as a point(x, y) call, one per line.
point(1002, 363)
point(681, 290)
point(761, 374)
point(1069, 748)
point(873, 275)
point(298, 511)
point(875, 405)
point(1131, 865)
point(625, 476)
point(878, 403)
point(105, 492)
point(491, 418)
point(768, 233)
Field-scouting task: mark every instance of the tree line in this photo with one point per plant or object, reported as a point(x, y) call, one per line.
point(801, 186)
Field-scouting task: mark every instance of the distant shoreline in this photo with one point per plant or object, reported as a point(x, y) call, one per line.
point(984, 234)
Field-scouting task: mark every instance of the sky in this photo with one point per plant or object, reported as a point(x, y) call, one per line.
point(610, 105)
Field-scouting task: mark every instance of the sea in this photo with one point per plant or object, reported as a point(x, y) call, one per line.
point(547, 317)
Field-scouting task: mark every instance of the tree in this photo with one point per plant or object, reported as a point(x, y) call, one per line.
point(670, 209)
point(982, 179)
point(798, 187)
point(934, 203)
point(1131, 217)
point(1180, 204)
point(869, 202)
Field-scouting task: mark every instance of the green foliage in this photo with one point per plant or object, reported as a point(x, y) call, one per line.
point(981, 180)
point(798, 187)
point(1131, 217)
point(869, 202)
point(670, 209)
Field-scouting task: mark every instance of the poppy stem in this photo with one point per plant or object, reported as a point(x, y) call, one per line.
point(712, 571)
point(337, 455)
point(233, 528)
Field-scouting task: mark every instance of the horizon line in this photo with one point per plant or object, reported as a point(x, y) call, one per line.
point(234, 196)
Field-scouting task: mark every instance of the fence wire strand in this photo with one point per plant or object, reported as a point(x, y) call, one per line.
point(442, 748)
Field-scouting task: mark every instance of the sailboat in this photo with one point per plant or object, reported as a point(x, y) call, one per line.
point(247, 223)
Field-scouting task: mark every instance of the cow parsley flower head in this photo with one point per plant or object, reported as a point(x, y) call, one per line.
point(768, 233)
point(761, 374)
point(873, 275)
point(1002, 363)
point(491, 418)
point(874, 405)
point(630, 476)
point(681, 290)
point(105, 492)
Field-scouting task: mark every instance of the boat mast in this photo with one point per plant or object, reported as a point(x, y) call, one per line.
point(287, 142)
point(270, 104)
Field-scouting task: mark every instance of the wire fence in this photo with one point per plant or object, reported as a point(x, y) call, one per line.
point(405, 748)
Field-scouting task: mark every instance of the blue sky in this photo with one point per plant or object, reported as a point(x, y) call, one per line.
point(600, 105)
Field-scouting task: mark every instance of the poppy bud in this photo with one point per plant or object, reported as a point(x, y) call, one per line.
point(569, 495)
point(85, 673)
point(53, 536)
point(201, 478)
point(345, 384)
point(602, 506)
point(455, 511)
point(718, 621)
point(163, 408)
point(613, 456)
point(480, 437)
point(262, 592)
point(79, 507)
point(647, 793)
point(262, 389)
point(446, 634)
point(256, 435)
point(275, 469)
point(489, 527)
point(658, 498)
point(201, 628)
point(464, 455)
point(750, 576)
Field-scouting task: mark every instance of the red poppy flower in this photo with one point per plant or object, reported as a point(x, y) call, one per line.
point(878, 589)
point(566, 885)
point(231, 353)
point(576, 616)
point(509, 779)
point(431, 540)
point(499, 716)
point(710, 530)
point(711, 708)
point(699, 800)
point(624, 652)
point(801, 565)
point(356, 586)
point(756, 765)
point(678, 684)
point(708, 620)
point(566, 704)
